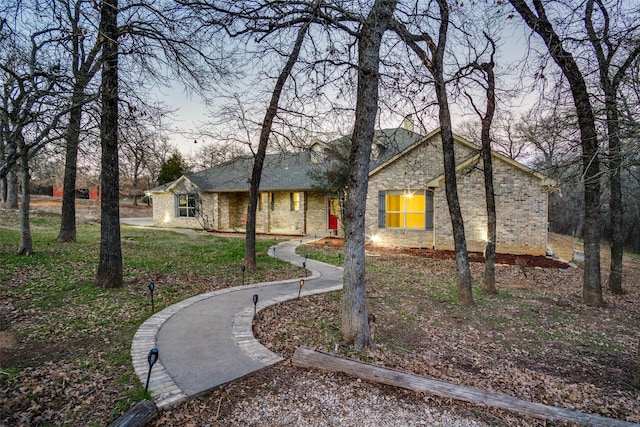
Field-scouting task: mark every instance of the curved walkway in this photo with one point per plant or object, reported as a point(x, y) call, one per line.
point(207, 340)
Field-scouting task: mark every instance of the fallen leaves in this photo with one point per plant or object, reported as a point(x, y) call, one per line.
point(535, 340)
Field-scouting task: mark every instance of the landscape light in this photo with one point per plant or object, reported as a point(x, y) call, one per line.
point(152, 286)
point(244, 268)
point(255, 304)
point(300, 289)
point(152, 359)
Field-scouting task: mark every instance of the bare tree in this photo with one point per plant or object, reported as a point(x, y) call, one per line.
point(109, 274)
point(488, 83)
point(433, 60)
point(140, 133)
point(9, 178)
point(256, 174)
point(613, 66)
point(30, 111)
point(540, 23)
point(83, 48)
point(210, 154)
point(355, 317)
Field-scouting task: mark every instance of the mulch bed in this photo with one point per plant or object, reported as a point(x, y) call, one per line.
point(529, 261)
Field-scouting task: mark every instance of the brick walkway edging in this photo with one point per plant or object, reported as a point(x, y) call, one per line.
point(164, 390)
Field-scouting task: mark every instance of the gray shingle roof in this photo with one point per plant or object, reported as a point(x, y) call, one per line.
point(281, 171)
point(288, 171)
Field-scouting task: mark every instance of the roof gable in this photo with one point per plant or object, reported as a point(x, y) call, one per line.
point(436, 181)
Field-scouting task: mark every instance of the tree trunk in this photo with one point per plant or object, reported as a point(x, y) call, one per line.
point(26, 243)
point(485, 136)
point(256, 174)
point(592, 286)
point(109, 273)
point(11, 199)
point(600, 40)
point(636, 379)
point(435, 65)
point(139, 416)
point(490, 248)
point(465, 296)
point(355, 318)
point(605, 50)
point(68, 219)
point(3, 190)
point(615, 200)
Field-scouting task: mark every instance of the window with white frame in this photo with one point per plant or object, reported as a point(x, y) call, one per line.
point(186, 205)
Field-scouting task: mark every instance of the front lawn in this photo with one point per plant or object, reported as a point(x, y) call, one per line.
point(64, 345)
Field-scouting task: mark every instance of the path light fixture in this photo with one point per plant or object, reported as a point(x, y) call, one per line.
point(244, 268)
point(255, 304)
point(152, 359)
point(152, 286)
point(300, 289)
point(274, 251)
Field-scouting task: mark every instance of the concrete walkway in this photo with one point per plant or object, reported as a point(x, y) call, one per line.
point(207, 340)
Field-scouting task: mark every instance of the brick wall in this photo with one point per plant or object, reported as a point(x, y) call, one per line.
point(521, 208)
point(521, 203)
point(411, 172)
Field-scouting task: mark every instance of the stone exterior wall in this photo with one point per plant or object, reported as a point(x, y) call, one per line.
point(165, 213)
point(317, 216)
point(521, 203)
point(521, 208)
point(227, 212)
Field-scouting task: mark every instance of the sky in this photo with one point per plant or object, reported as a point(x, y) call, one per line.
point(190, 111)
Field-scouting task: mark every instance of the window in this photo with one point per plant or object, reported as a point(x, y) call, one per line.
point(187, 204)
point(262, 200)
point(405, 209)
point(272, 202)
point(295, 199)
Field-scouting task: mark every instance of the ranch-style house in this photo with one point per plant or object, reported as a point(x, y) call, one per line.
point(406, 202)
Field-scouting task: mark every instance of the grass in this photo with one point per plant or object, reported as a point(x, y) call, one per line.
point(63, 324)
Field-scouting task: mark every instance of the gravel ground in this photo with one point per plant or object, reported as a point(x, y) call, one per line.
point(286, 396)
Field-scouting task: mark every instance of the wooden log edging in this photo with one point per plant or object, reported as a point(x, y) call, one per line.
point(305, 357)
point(138, 416)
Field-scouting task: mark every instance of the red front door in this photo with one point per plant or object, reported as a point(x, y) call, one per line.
point(332, 213)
